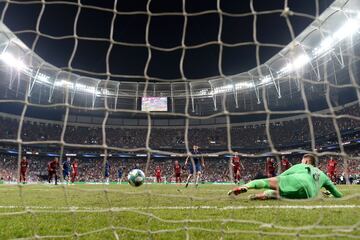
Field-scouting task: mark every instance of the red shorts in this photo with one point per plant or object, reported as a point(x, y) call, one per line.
point(22, 171)
point(236, 169)
point(74, 173)
point(177, 175)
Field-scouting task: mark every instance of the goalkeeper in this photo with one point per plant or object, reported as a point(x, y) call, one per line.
point(301, 181)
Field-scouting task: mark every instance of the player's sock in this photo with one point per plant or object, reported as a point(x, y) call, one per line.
point(271, 194)
point(197, 180)
point(187, 181)
point(258, 184)
point(255, 184)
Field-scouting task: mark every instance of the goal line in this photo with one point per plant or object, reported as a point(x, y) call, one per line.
point(204, 207)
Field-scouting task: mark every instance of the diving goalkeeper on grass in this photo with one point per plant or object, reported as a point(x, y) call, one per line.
point(301, 181)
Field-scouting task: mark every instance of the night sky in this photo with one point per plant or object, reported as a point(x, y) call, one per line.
point(164, 32)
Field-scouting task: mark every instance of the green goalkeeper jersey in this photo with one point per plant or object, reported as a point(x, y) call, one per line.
point(304, 181)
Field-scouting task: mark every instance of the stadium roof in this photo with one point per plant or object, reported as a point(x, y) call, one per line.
point(326, 39)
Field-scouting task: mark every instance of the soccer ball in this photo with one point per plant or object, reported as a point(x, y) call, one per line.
point(136, 177)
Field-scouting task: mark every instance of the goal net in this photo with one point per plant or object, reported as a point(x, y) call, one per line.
point(118, 85)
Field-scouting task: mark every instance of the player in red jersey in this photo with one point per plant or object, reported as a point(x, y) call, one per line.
point(284, 164)
point(270, 167)
point(237, 166)
point(52, 170)
point(158, 174)
point(24, 164)
point(177, 172)
point(331, 168)
point(74, 170)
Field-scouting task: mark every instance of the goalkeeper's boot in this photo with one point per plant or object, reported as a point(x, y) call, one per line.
point(186, 185)
point(238, 190)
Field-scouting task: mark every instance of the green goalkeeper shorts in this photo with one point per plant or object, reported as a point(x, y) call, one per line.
point(294, 186)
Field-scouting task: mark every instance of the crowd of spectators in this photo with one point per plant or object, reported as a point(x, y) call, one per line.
point(282, 133)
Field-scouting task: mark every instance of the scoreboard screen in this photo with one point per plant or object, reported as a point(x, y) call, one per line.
point(154, 104)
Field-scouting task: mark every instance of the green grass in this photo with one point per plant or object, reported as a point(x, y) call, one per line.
point(110, 211)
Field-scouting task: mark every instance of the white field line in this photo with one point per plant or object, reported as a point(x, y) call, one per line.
point(226, 208)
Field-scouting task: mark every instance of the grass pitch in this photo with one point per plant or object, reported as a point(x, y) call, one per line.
point(157, 211)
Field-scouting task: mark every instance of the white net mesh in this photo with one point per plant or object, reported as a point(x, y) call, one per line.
point(261, 79)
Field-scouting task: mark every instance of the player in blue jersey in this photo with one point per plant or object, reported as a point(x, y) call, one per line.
point(195, 164)
point(107, 172)
point(66, 169)
point(120, 174)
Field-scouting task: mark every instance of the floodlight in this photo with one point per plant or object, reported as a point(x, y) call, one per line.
point(10, 60)
point(348, 29)
point(265, 79)
point(62, 82)
point(300, 61)
point(42, 78)
point(324, 47)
